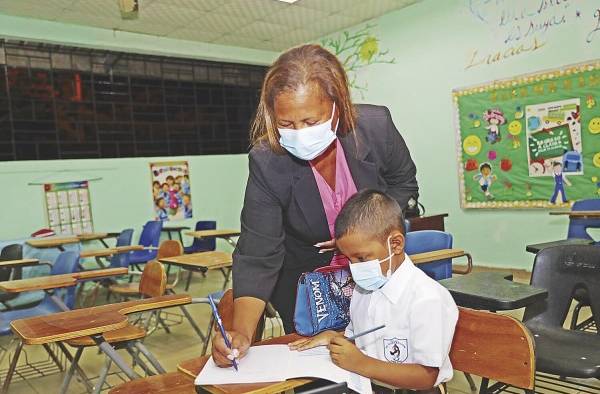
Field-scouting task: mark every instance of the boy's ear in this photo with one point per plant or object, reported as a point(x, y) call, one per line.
point(397, 242)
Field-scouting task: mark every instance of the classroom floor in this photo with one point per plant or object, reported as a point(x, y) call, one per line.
point(181, 344)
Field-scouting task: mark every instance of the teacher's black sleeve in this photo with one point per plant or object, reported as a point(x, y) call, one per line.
point(259, 254)
point(400, 171)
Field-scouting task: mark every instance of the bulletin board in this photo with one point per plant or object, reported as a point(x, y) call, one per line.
point(532, 141)
point(68, 207)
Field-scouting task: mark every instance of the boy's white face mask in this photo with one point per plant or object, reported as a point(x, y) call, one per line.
point(368, 275)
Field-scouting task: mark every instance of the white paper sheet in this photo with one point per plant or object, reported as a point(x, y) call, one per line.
point(276, 363)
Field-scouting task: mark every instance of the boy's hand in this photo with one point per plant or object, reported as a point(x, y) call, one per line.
point(345, 354)
point(222, 355)
point(321, 339)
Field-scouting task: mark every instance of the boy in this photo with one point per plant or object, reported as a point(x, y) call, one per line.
point(419, 314)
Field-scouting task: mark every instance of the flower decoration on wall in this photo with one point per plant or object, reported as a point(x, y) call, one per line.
point(357, 50)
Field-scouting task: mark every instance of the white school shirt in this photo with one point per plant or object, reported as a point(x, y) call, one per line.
point(419, 316)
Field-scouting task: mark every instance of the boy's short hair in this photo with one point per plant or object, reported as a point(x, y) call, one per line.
point(372, 213)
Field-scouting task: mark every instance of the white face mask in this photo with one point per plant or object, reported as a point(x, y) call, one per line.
point(368, 274)
point(308, 142)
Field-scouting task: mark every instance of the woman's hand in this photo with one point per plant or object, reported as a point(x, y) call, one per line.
point(326, 246)
point(345, 354)
point(321, 339)
point(222, 355)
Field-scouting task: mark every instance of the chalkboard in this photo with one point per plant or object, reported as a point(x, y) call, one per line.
point(532, 141)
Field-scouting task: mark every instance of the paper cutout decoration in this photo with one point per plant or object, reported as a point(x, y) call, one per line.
point(594, 125)
point(472, 145)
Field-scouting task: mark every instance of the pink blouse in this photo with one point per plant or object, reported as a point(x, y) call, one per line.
point(334, 200)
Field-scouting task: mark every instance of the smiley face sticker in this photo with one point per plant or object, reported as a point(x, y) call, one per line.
point(596, 159)
point(514, 127)
point(594, 125)
point(472, 145)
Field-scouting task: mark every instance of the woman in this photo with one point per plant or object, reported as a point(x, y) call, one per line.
point(311, 150)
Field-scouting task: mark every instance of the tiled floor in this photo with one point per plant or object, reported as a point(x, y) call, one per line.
point(181, 344)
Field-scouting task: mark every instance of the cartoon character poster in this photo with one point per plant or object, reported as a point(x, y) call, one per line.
point(68, 207)
point(532, 141)
point(171, 190)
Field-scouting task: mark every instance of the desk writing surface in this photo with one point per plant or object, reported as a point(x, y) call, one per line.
point(576, 214)
point(535, 248)
point(100, 273)
point(51, 242)
point(492, 291)
point(38, 283)
point(436, 255)
point(193, 367)
point(88, 321)
point(92, 236)
point(209, 260)
point(213, 233)
point(18, 263)
point(105, 252)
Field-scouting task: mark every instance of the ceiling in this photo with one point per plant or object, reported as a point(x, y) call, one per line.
point(261, 24)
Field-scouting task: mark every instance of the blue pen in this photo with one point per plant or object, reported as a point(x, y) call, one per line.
point(220, 324)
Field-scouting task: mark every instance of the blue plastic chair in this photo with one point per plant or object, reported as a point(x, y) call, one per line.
point(203, 245)
point(427, 241)
point(122, 259)
point(150, 237)
point(66, 263)
point(578, 226)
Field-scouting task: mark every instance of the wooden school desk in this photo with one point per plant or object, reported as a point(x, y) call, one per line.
point(193, 367)
point(52, 282)
point(535, 248)
point(202, 262)
point(83, 237)
point(443, 254)
point(578, 214)
point(52, 242)
point(226, 234)
point(92, 322)
point(19, 263)
point(493, 291)
point(175, 229)
point(98, 254)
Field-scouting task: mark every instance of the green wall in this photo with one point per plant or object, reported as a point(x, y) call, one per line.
point(432, 42)
point(122, 198)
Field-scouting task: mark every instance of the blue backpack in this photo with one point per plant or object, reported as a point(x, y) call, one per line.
point(323, 300)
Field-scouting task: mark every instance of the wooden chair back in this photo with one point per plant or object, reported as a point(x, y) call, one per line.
point(169, 248)
point(225, 309)
point(154, 280)
point(493, 346)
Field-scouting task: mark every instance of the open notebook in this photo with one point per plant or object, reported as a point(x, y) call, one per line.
point(276, 363)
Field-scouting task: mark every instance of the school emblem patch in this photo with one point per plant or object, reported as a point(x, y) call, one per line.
point(395, 349)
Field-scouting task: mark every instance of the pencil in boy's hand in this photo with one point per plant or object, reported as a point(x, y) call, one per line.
point(360, 334)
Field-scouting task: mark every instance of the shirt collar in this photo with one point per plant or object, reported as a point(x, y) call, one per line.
point(399, 280)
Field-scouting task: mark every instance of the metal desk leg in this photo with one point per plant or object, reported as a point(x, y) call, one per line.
point(114, 356)
point(230, 241)
point(103, 375)
point(149, 356)
point(169, 234)
point(59, 303)
point(180, 237)
point(67, 379)
point(82, 374)
point(12, 367)
point(104, 243)
point(226, 274)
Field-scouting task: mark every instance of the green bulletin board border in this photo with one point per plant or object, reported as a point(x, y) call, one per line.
point(514, 83)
